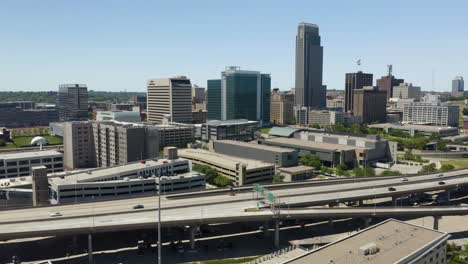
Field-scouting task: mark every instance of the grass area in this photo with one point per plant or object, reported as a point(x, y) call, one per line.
point(457, 163)
point(26, 141)
point(8, 145)
point(265, 130)
point(224, 261)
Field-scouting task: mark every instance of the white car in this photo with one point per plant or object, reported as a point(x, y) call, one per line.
point(56, 214)
point(404, 179)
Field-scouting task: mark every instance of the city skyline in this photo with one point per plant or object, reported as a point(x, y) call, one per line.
point(116, 47)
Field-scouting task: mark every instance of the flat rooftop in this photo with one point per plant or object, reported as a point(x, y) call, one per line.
point(394, 239)
point(426, 128)
point(221, 159)
point(295, 169)
point(325, 134)
point(257, 146)
point(90, 175)
point(29, 154)
point(230, 122)
point(298, 143)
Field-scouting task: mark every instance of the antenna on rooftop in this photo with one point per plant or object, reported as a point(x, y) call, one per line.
point(389, 69)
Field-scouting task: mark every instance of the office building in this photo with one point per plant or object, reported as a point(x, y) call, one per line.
point(240, 129)
point(240, 94)
point(140, 101)
point(412, 129)
point(17, 164)
point(309, 90)
point(354, 81)
point(72, 102)
point(431, 114)
point(78, 145)
point(282, 108)
point(371, 104)
point(174, 135)
point(458, 86)
point(407, 91)
point(13, 117)
point(117, 143)
point(199, 116)
point(198, 95)
point(386, 83)
point(281, 157)
point(334, 149)
point(240, 171)
point(118, 115)
point(325, 118)
point(337, 103)
point(172, 98)
point(388, 242)
point(124, 181)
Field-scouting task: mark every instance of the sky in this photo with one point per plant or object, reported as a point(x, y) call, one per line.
point(117, 45)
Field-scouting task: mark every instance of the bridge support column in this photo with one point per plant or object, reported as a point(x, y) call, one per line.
point(277, 230)
point(367, 221)
point(394, 200)
point(448, 197)
point(436, 222)
point(330, 220)
point(193, 230)
point(361, 203)
point(90, 249)
point(265, 229)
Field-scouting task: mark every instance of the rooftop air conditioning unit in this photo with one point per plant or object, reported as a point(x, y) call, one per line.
point(369, 249)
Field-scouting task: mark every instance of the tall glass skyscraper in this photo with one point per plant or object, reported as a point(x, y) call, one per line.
point(309, 68)
point(240, 95)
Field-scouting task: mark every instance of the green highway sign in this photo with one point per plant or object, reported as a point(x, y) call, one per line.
point(271, 197)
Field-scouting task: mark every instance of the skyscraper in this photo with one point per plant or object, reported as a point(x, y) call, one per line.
point(355, 81)
point(240, 94)
point(458, 86)
point(172, 98)
point(386, 83)
point(309, 91)
point(72, 102)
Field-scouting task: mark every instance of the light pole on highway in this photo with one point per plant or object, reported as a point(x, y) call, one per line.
point(159, 217)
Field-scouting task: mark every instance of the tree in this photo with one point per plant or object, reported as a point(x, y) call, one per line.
point(441, 145)
point(311, 161)
point(278, 178)
point(447, 167)
point(2, 143)
point(361, 172)
point(342, 166)
point(222, 181)
point(429, 168)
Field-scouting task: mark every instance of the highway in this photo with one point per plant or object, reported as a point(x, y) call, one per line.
point(218, 206)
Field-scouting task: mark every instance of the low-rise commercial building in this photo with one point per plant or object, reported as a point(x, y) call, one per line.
point(134, 179)
point(239, 129)
point(20, 163)
point(281, 157)
point(296, 173)
point(389, 242)
point(240, 171)
point(411, 129)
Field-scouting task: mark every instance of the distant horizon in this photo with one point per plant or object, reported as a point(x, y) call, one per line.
point(114, 45)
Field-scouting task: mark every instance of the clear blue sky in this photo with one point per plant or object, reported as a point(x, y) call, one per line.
point(117, 45)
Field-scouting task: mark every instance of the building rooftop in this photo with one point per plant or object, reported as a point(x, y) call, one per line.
point(221, 159)
point(29, 154)
point(373, 138)
point(427, 128)
point(257, 146)
point(295, 169)
point(283, 131)
point(119, 170)
point(292, 142)
point(395, 240)
point(229, 122)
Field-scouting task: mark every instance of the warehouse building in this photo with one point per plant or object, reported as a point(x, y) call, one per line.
point(19, 164)
point(281, 157)
point(240, 171)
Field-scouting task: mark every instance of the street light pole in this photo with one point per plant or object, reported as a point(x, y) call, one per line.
point(159, 220)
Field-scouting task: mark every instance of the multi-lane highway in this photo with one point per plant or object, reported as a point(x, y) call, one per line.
point(219, 206)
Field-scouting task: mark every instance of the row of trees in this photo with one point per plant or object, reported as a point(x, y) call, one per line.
point(430, 168)
point(212, 176)
point(51, 97)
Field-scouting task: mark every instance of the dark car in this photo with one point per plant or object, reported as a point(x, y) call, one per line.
point(392, 189)
point(138, 206)
point(441, 183)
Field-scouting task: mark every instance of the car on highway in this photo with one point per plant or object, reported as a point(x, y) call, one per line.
point(138, 206)
point(56, 214)
point(440, 175)
point(392, 189)
point(441, 183)
point(404, 179)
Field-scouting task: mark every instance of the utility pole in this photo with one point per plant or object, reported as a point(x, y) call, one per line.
point(159, 220)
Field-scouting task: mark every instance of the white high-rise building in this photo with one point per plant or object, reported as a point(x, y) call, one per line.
point(431, 114)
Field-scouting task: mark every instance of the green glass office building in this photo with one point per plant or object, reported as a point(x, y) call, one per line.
point(240, 95)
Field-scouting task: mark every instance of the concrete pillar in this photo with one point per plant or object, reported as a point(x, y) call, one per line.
point(367, 221)
point(448, 197)
point(394, 200)
point(361, 203)
point(436, 222)
point(265, 228)
point(277, 238)
point(193, 230)
point(90, 249)
point(330, 220)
